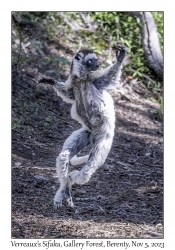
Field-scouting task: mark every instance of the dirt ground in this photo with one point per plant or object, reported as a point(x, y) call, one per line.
point(123, 199)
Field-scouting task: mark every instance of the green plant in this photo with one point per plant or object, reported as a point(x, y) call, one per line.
point(15, 124)
point(160, 101)
point(107, 30)
point(122, 27)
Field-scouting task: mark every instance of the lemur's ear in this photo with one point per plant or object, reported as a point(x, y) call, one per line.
point(77, 57)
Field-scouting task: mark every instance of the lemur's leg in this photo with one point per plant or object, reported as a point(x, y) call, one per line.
point(97, 157)
point(79, 160)
point(74, 143)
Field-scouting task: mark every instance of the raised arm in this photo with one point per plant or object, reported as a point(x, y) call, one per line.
point(108, 78)
point(65, 93)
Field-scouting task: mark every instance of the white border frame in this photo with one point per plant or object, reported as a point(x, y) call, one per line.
point(5, 99)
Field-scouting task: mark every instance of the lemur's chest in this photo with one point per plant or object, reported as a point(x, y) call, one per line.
point(90, 104)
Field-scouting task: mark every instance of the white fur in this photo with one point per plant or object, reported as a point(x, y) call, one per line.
point(66, 99)
point(90, 56)
point(61, 160)
point(68, 83)
point(109, 109)
point(84, 175)
point(76, 68)
point(99, 73)
point(71, 138)
point(79, 160)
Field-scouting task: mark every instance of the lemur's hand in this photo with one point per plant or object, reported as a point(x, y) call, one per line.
point(120, 53)
point(47, 80)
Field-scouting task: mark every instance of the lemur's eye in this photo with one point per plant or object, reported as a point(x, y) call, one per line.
point(89, 62)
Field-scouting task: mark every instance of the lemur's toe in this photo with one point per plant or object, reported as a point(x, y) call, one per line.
point(57, 204)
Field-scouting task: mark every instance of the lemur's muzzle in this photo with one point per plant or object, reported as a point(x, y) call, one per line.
point(94, 66)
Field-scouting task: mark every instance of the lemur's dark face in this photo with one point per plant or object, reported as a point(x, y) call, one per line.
point(92, 64)
point(84, 62)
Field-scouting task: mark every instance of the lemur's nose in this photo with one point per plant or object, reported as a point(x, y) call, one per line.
point(97, 66)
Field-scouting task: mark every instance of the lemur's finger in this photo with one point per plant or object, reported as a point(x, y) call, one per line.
point(47, 80)
point(120, 53)
point(120, 49)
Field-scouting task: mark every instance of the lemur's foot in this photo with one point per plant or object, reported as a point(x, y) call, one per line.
point(47, 80)
point(120, 53)
point(61, 196)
